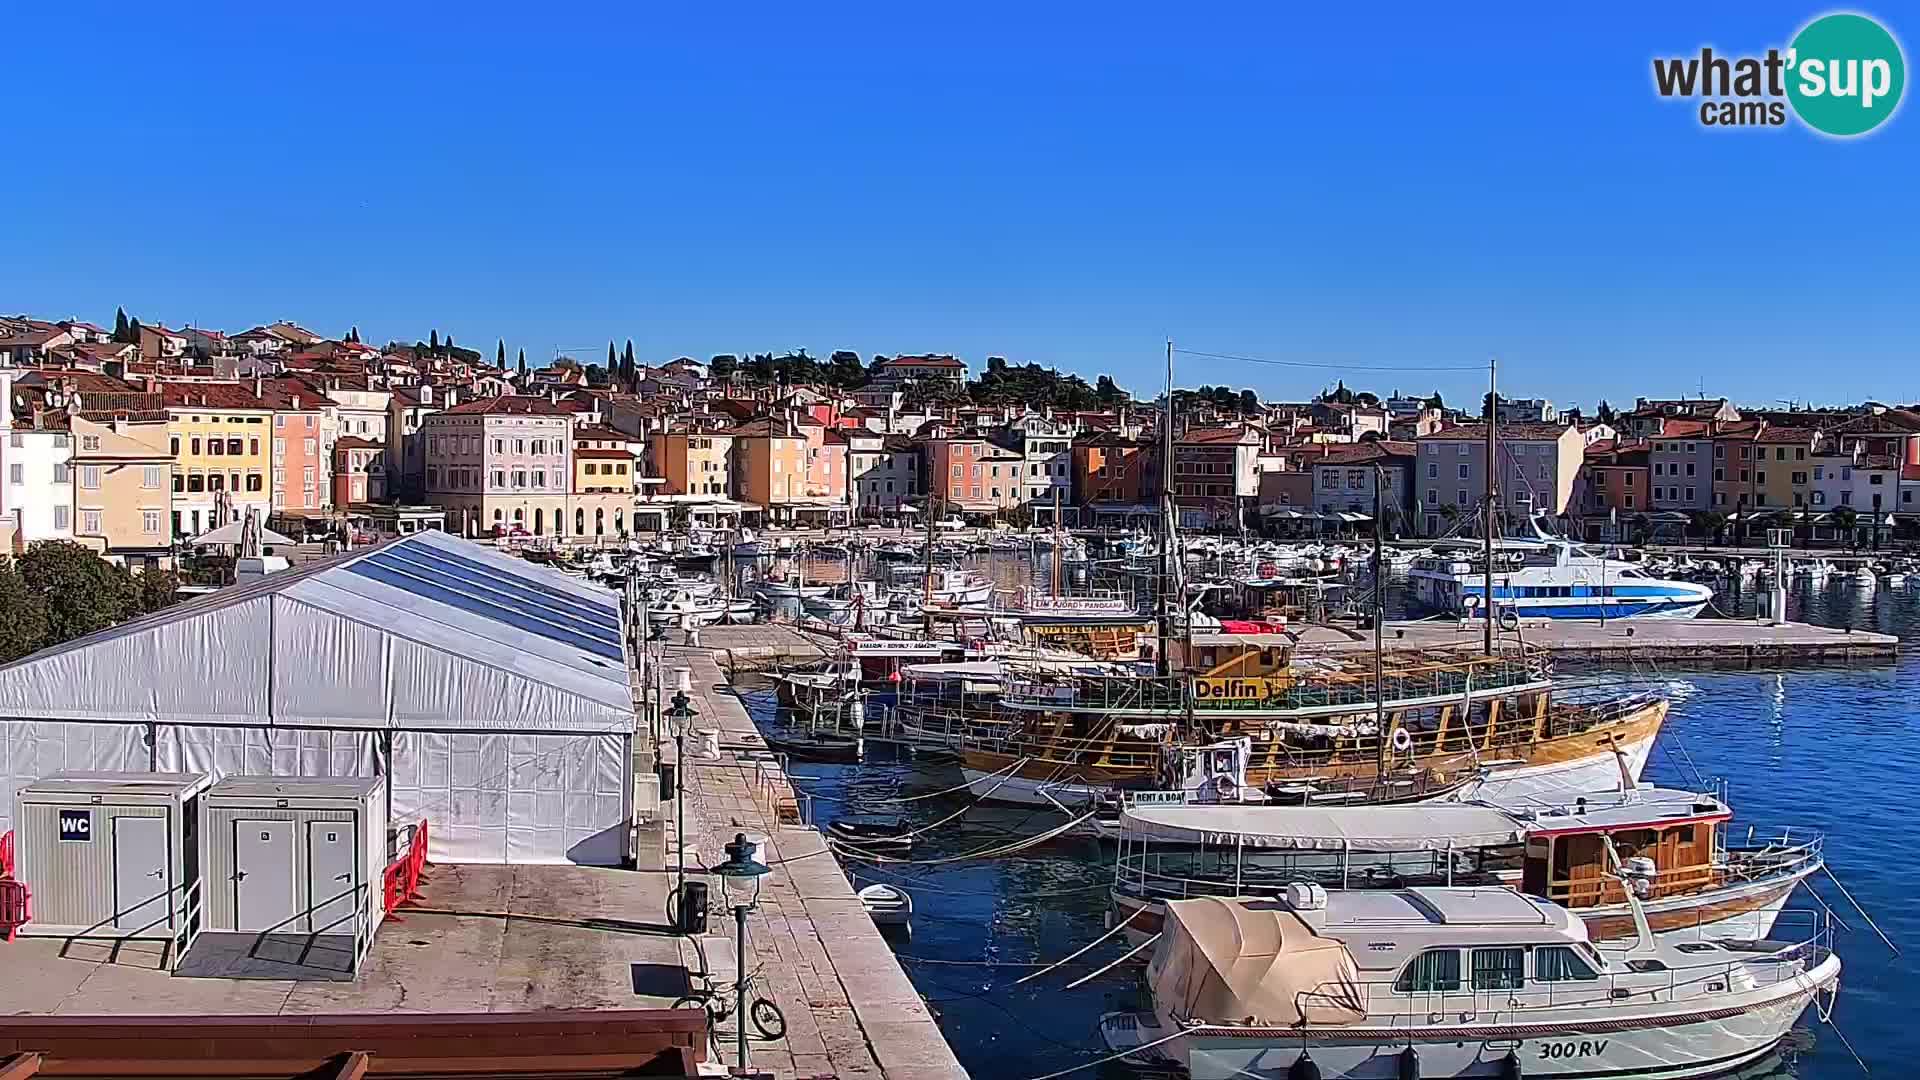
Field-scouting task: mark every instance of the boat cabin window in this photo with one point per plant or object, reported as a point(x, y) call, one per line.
point(1557, 963)
point(1435, 969)
point(1645, 965)
point(1499, 969)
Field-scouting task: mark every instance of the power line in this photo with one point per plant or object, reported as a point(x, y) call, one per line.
point(1326, 367)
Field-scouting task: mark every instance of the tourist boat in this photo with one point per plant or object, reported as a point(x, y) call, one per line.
point(1312, 725)
point(745, 544)
point(1673, 847)
point(1550, 578)
point(954, 588)
point(1457, 982)
point(887, 905)
point(1036, 605)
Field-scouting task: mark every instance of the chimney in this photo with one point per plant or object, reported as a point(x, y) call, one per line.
point(426, 393)
point(256, 386)
point(296, 403)
point(453, 396)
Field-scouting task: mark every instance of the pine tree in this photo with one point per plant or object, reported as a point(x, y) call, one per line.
point(500, 355)
point(120, 324)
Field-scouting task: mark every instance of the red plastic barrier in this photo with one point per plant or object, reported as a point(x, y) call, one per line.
point(6, 854)
point(16, 907)
point(401, 882)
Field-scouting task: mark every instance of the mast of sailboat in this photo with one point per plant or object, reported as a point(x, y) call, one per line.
point(926, 585)
point(1056, 542)
point(1162, 661)
point(1379, 617)
point(1493, 472)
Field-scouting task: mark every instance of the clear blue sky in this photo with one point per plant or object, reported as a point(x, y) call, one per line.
point(1398, 186)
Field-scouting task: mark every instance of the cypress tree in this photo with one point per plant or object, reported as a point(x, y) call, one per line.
point(433, 341)
point(523, 365)
point(500, 355)
point(629, 368)
point(613, 362)
point(120, 324)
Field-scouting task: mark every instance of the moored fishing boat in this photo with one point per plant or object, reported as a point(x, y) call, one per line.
point(1676, 858)
point(1456, 982)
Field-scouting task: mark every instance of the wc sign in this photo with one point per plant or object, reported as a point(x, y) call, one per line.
point(76, 826)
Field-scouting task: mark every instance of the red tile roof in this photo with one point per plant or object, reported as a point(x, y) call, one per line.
point(509, 405)
point(1506, 432)
point(922, 361)
point(355, 442)
point(210, 395)
point(596, 454)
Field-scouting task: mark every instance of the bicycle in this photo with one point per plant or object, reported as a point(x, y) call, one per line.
point(766, 1017)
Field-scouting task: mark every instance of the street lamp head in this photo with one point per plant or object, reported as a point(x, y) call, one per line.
point(740, 875)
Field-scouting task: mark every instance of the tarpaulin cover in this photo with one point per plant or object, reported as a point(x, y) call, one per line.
point(1224, 961)
point(1416, 827)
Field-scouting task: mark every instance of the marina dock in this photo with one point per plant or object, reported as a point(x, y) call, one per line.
point(851, 1012)
point(1684, 642)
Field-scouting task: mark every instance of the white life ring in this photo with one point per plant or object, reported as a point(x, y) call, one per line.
point(1509, 619)
point(1223, 786)
point(1402, 741)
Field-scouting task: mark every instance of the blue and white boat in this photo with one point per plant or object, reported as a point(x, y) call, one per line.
point(1550, 578)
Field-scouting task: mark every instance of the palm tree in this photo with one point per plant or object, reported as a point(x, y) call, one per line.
point(1844, 520)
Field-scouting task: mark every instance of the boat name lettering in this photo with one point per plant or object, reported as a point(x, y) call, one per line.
point(1583, 1048)
point(1215, 688)
point(1382, 946)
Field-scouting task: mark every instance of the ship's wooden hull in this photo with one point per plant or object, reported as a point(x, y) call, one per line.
point(1049, 768)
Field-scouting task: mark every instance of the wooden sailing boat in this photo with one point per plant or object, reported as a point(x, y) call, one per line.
point(1284, 724)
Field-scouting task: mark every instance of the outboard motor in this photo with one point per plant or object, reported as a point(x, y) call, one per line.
point(1409, 1064)
point(1303, 1068)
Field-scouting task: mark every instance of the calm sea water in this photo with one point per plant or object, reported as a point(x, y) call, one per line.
point(1823, 748)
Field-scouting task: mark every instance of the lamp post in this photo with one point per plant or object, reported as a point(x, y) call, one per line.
point(740, 881)
point(682, 716)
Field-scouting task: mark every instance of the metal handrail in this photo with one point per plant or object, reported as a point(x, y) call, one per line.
point(1042, 689)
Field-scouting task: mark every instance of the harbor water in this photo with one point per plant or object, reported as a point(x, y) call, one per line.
point(1824, 748)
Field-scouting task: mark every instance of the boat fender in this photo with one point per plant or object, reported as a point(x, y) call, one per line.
point(1303, 1068)
point(1642, 888)
point(1402, 741)
point(1409, 1064)
point(1510, 1066)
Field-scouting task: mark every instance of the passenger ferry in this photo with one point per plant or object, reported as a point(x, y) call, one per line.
point(1550, 578)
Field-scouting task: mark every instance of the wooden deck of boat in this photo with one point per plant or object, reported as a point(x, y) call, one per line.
point(1685, 642)
point(851, 1011)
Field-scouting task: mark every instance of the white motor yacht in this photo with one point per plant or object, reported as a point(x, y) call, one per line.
point(1457, 982)
point(676, 604)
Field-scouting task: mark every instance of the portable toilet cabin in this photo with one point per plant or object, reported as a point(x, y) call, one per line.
point(296, 855)
point(112, 855)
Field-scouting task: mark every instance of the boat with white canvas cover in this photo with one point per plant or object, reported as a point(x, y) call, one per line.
point(1460, 982)
point(1674, 846)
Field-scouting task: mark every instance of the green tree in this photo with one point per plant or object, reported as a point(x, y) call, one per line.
point(523, 365)
point(845, 371)
point(353, 334)
point(155, 589)
point(1249, 402)
point(629, 369)
point(82, 592)
point(133, 332)
point(1845, 519)
point(24, 629)
point(613, 357)
point(500, 355)
point(433, 341)
point(120, 325)
point(1605, 413)
point(1435, 401)
point(723, 366)
point(1107, 392)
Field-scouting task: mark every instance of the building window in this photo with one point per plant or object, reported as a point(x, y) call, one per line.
point(255, 482)
point(61, 473)
point(233, 447)
point(90, 522)
point(150, 477)
point(62, 517)
point(150, 522)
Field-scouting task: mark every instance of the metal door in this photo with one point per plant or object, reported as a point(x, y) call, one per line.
point(330, 870)
point(139, 873)
point(263, 876)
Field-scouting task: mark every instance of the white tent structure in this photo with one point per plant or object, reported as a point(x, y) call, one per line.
point(491, 692)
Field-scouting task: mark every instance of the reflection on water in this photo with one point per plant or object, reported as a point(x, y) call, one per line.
point(1823, 748)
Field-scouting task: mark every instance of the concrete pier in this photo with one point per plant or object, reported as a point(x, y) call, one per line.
point(1681, 642)
point(850, 1010)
